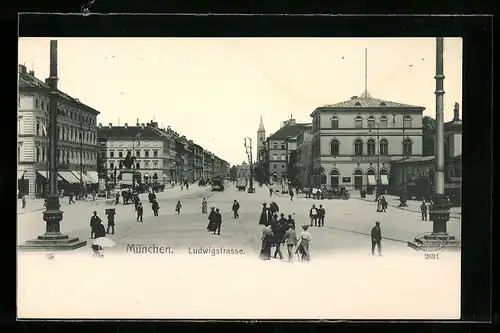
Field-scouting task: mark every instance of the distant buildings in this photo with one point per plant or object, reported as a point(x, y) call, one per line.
point(77, 145)
point(162, 155)
point(243, 171)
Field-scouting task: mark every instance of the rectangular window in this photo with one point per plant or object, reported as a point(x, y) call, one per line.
point(155, 165)
point(146, 153)
point(137, 153)
point(146, 165)
point(275, 157)
point(120, 154)
point(155, 153)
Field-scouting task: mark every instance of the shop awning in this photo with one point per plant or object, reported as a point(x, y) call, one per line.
point(371, 180)
point(44, 174)
point(20, 174)
point(69, 177)
point(384, 179)
point(85, 179)
point(93, 176)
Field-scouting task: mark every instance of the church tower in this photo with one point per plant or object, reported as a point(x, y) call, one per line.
point(261, 139)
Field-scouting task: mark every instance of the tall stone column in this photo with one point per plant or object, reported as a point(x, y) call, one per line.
point(53, 239)
point(439, 212)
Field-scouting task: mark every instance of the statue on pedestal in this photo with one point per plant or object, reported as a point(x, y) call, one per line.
point(127, 162)
point(456, 108)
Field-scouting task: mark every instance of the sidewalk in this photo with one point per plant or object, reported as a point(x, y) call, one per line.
point(413, 205)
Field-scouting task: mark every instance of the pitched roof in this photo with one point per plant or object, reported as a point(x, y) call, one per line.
point(28, 82)
point(367, 101)
point(120, 132)
point(286, 131)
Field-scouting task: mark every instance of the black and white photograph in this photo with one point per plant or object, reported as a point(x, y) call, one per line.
point(239, 178)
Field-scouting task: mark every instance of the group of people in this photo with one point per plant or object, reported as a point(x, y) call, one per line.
point(381, 204)
point(214, 220)
point(317, 216)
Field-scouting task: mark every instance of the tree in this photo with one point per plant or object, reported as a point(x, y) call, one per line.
point(428, 135)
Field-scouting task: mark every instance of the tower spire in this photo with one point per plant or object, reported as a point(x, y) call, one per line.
point(261, 125)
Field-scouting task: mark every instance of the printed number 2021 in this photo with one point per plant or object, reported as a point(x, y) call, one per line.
point(432, 256)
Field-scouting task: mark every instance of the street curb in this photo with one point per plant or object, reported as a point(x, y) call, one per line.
point(409, 210)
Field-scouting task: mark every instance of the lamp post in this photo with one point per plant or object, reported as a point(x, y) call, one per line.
point(403, 195)
point(248, 149)
point(133, 157)
point(53, 239)
point(439, 212)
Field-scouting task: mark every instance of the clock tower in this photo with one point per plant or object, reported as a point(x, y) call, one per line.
point(261, 139)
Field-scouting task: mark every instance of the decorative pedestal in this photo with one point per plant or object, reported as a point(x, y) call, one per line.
point(435, 242)
point(439, 239)
point(53, 239)
point(58, 242)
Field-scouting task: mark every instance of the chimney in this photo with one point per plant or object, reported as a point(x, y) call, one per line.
point(32, 73)
point(354, 97)
point(100, 125)
point(110, 125)
point(22, 69)
point(142, 125)
point(126, 125)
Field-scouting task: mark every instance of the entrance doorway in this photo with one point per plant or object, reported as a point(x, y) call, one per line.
point(334, 178)
point(358, 180)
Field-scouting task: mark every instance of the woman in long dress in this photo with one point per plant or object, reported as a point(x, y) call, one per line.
point(263, 214)
point(204, 206)
point(267, 242)
point(303, 246)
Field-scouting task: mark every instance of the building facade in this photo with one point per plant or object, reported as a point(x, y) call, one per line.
point(355, 141)
point(150, 149)
point(77, 137)
point(279, 147)
point(304, 162)
point(453, 138)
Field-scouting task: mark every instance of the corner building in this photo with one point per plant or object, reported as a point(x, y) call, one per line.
point(355, 141)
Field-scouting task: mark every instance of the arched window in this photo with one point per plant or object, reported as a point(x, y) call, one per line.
point(383, 122)
point(334, 178)
point(111, 165)
point(384, 147)
point(275, 157)
point(371, 122)
point(275, 145)
point(370, 177)
point(358, 147)
point(335, 122)
point(407, 147)
point(370, 145)
point(283, 157)
point(358, 122)
point(407, 122)
point(334, 148)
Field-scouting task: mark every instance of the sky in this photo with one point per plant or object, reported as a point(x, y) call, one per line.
point(214, 90)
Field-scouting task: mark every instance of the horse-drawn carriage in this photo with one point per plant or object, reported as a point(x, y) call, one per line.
point(336, 193)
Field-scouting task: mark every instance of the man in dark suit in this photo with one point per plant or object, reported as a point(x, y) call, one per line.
point(94, 222)
point(218, 221)
point(376, 235)
point(212, 217)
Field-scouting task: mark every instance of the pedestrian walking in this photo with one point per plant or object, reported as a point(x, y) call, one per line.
point(178, 207)
point(303, 247)
point(379, 205)
point(291, 194)
point(290, 239)
point(267, 240)
point(70, 200)
point(94, 222)
point(218, 221)
point(23, 201)
point(236, 208)
point(313, 215)
point(376, 236)
point(212, 219)
point(321, 216)
point(140, 211)
point(263, 214)
point(204, 205)
point(156, 207)
point(151, 197)
point(291, 221)
point(278, 230)
point(111, 220)
point(270, 192)
point(423, 210)
point(384, 204)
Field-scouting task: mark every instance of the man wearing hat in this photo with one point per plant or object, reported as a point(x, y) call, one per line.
point(376, 235)
point(94, 223)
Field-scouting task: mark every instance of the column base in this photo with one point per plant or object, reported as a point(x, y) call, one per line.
point(435, 242)
point(55, 242)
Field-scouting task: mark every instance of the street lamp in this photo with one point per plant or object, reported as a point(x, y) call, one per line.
point(439, 212)
point(133, 157)
point(53, 239)
point(248, 149)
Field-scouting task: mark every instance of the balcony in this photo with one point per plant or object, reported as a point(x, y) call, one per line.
point(371, 158)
